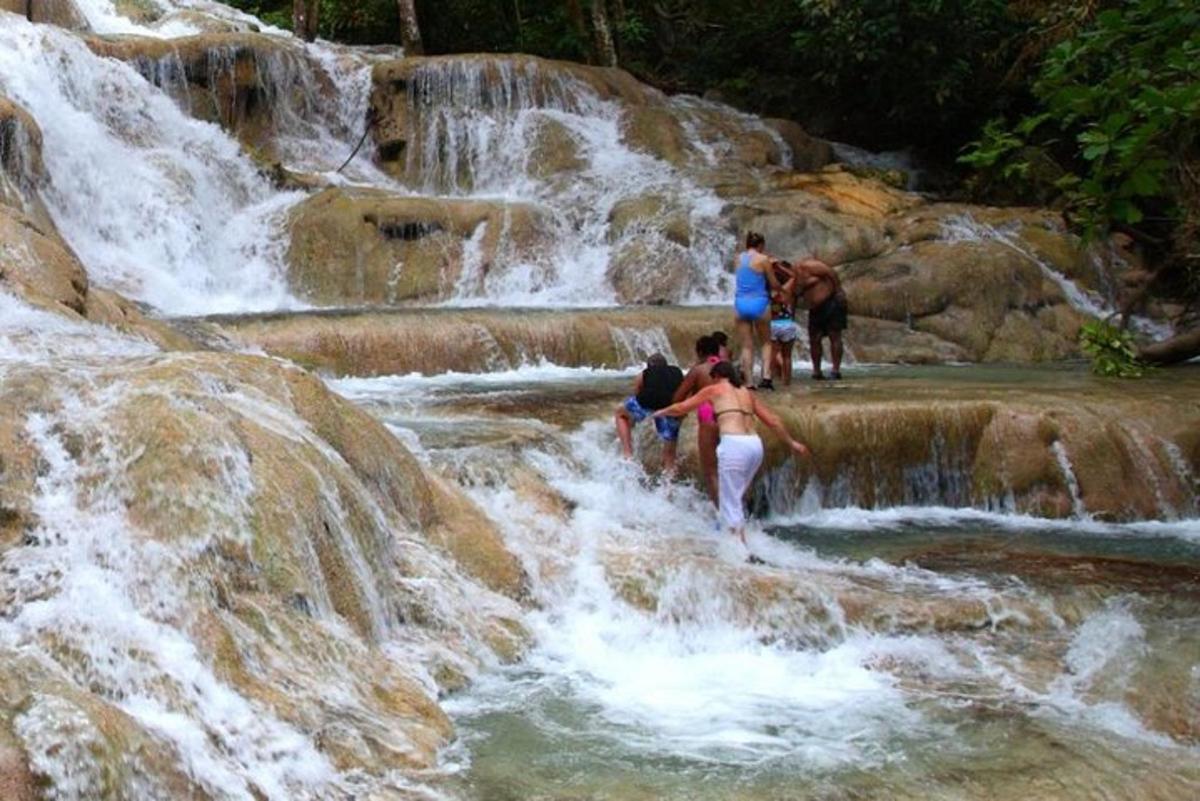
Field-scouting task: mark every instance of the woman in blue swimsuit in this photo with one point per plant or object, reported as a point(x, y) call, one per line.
point(754, 281)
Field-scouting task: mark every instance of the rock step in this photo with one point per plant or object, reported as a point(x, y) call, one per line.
point(431, 340)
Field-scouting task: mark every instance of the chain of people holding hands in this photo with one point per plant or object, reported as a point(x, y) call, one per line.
point(723, 395)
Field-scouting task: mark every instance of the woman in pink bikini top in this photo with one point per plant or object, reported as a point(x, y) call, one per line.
point(708, 354)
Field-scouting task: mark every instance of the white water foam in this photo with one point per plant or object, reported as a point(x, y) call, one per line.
point(1078, 508)
point(473, 125)
point(855, 519)
point(965, 228)
point(159, 206)
point(357, 388)
point(91, 583)
point(31, 335)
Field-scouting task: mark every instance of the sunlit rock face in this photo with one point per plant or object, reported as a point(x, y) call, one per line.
point(215, 564)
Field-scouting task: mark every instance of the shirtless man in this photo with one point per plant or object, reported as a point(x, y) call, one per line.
point(708, 353)
point(818, 284)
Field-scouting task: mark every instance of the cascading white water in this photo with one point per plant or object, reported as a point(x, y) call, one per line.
point(706, 667)
point(493, 129)
point(656, 644)
point(158, 205)
point(964, 228)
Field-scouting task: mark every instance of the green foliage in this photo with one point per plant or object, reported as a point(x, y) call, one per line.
point(1118, 106)
point(361, 22)
point(926, 68)
point(272, 12)
point(1111, 350)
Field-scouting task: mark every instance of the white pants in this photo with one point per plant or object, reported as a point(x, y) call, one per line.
point(738, 458)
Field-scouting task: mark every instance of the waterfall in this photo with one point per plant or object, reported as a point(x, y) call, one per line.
point(217, 579)
point(158, 205)
point(492, 128)
point(635, 345)
point(964, 228)
point(1068, 473)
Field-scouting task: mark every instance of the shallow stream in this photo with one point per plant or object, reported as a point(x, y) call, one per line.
point(916, 652)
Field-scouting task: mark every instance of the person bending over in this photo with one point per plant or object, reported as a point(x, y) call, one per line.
point(818, 283)
point(754, 280)
point(708, 354)
point(653, 389)
point(741, 451)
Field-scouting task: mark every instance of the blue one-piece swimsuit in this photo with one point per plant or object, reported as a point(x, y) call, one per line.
point(751, 298)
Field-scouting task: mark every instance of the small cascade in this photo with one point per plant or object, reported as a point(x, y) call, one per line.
point(1078, 509)
point(470, 123)
point(471, 277)
point(1184, 471)
point(515, 129)
point(299, 104)
point(964, 228)
point(160, 206)
point(635, 345)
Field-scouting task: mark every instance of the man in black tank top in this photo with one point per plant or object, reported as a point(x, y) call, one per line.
point(652, 391)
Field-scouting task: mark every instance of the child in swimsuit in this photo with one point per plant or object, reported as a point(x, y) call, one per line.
point(783, 322)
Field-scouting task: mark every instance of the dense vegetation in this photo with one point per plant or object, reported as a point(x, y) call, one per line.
point(1092, 106)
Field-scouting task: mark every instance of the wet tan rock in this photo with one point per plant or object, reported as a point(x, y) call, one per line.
point(16, 780)
point(809, 153)
point(656, 131)
point(803, 608)
point(473, 340)
point(142, 12)
point(461, 528)
point(22, 171)
point(251, 84)
point(1041, 451)
point(306, 536)
point(38, 266)
point(54, 722)
point(875, 341)
point(62, 13)
point(991, 300)
point(798, 225)
point(654, 212)
point(846, 193)
point(649, 269)
point(554, 150)
point(369, 246)
point(431, 341)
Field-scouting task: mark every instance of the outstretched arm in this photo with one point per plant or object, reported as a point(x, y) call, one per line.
point(683, 407)
point(772, 421)
point(688, 386)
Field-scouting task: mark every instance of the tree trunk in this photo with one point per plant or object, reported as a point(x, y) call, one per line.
point(305, 16)
point(29, 10)
point(606, 49)
point(579, 23)
point(1177, 349)
point(410, 31)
